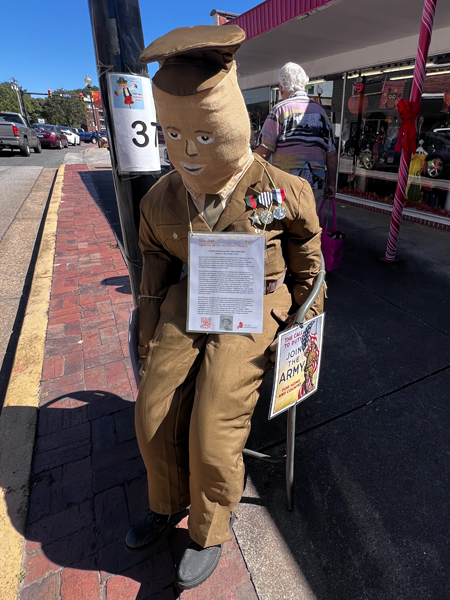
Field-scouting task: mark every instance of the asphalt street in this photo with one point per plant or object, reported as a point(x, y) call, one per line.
point(50, 157)
point(25, 185)
point(24, 192)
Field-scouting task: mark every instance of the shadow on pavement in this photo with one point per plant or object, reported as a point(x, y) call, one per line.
point(122, 283)
point(88, 487)
point(371, 499)
point(372, 448)
point(104, 185)
point(372, 483)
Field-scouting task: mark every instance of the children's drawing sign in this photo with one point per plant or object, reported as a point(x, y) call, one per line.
point(127, 90)
point(298, 365)
point(134, 116)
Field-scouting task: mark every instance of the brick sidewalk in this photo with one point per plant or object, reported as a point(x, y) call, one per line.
point(88, 483)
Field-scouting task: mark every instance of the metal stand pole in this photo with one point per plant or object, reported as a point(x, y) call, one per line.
point(118, 42)
point(290, 451)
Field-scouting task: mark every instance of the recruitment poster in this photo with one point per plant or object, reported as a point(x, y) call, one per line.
point(134, 116)
point(297, 367)
point(226, 283)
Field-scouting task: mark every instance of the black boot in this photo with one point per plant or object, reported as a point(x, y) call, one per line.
point(150, 529)
point(198, 563)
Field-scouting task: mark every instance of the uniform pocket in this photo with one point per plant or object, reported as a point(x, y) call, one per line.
point(175, 240)
point(273, 251)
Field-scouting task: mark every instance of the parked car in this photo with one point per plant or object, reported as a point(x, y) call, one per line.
point(437, 144)
point(88, 136)
point(442, 130)
point(16, 132)
point(71, 135)
point(51, 136)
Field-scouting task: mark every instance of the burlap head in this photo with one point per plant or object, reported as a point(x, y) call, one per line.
point(207, 134)
point(199, 104)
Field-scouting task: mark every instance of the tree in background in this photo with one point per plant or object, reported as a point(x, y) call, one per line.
point(34, 108)
point(8, 102)
point(64, 111)
point(72, 112)
point(8, 98)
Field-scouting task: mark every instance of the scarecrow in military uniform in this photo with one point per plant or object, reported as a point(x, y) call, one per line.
point(199, 390)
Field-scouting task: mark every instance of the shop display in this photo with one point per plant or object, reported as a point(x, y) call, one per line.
point(371, 128)
point(358, 103)
point(392, 93)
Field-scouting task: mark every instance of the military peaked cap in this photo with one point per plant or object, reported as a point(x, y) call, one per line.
point(193, 59)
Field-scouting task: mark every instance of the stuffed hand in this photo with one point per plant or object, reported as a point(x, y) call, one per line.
point(286, 321)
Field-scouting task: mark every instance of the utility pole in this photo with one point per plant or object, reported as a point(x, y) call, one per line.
point(24, 105)
point(118, 42)
point(16, 88)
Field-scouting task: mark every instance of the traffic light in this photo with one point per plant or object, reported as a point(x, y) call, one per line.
point(49, 93)
point(81, 97)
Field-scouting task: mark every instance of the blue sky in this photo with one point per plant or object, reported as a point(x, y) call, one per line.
point(50, 46)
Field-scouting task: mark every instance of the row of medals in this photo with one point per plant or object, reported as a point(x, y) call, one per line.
point(267, 216)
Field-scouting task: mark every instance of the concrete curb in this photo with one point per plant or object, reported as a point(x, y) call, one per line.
point(19, 415)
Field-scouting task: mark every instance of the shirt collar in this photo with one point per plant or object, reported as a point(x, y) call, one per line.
point(298, 94)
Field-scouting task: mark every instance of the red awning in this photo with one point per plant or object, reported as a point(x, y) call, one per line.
point(273, 13)
point(331, 36)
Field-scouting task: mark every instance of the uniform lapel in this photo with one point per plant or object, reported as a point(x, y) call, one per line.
point(178, 206)
point(236, 206)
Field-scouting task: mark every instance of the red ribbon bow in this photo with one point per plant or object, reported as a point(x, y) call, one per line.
point(408, 112)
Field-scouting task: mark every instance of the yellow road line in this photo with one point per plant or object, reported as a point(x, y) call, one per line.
point(19, 414)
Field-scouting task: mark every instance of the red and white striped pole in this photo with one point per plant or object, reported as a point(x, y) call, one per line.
point(426, 29)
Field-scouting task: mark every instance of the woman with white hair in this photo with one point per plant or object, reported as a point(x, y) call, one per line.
point(298, 134)
point(292, 78)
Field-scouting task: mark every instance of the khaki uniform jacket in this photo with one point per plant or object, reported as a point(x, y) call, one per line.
point(292, 244)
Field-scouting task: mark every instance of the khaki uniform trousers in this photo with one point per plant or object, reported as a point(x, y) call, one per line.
point(193, 412)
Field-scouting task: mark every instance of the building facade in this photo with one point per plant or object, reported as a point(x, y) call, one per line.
point(359, 55)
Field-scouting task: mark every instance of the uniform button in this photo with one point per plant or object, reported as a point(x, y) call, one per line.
point(175, 236)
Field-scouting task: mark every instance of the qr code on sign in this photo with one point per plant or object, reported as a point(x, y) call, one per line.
point(206, 323)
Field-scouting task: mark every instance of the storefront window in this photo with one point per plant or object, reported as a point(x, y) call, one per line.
point(368, 166)
point(258, 106)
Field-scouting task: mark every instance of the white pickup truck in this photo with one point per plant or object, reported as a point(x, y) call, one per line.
point(16, 132)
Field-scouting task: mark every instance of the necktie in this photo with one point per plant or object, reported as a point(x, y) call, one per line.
point(213, 209)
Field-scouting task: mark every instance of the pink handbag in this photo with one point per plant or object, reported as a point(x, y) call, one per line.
point(332, 241)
